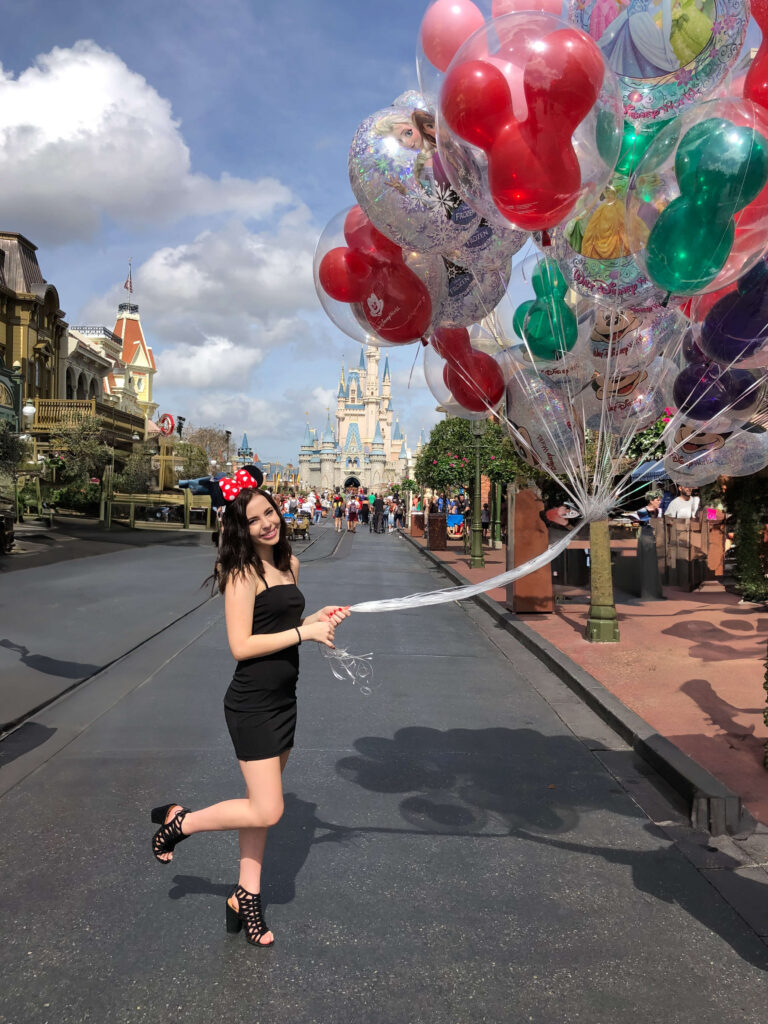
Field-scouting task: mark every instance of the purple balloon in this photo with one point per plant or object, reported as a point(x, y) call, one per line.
point(704, 390)
point(691, 351)
point(737, 325)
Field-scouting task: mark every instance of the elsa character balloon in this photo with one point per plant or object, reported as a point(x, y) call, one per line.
point(634, 45)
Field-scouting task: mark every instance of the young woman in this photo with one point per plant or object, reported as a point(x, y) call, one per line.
point(258, 576)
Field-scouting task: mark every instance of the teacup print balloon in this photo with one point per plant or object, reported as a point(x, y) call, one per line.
point(698, 458)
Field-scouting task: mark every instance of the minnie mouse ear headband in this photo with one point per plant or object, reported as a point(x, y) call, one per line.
point(230, 488)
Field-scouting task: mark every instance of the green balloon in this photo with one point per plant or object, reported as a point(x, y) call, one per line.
point(727, 161)
point(720, 168)
point(635, 140)
point(518, 320)
point(688, 247)
point(546, 322)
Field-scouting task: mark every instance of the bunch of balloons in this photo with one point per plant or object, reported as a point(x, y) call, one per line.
point(624, 148)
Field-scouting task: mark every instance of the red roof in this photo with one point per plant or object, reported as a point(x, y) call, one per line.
point(133, 339)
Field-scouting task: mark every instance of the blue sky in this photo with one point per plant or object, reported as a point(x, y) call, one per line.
point(208, 141)
point(267, 94)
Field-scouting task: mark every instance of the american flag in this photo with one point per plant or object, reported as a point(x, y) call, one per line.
point(128, 284)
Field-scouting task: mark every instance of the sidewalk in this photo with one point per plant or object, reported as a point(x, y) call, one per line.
point(691, 666)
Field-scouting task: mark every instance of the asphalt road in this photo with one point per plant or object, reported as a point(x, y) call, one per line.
point(454, 846)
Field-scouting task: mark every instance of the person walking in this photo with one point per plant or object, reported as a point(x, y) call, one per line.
point(318, 513)
point(337, 503)
point(258, 576)
point(365, 511)
point(352, 511)
point(378, 514)
point(485, 521)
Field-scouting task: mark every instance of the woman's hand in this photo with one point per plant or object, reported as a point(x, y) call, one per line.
point(331, 613)
point(321, 632)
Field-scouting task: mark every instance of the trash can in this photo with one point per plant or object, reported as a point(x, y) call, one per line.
point(417, 524)
point(437, 534)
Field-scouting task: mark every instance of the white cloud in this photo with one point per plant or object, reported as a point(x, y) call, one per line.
point(83, 137)
point(218, 359)
point(250, 288)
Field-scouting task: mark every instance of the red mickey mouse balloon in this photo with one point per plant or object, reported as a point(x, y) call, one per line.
point(473, 378)
point(534, 174)
point(370, 273)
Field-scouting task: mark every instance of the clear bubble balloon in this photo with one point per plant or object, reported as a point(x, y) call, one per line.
point(697, 457)
point(365, 286)
point(668, 55)
point(399, 181)
point(630, 400)
point(697, 206)
point(530, 118)
point(542, 424)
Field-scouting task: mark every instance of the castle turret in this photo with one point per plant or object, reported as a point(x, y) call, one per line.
point(328, 456)
point(378, 459)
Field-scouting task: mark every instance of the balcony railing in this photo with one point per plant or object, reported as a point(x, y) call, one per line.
point(51, 413)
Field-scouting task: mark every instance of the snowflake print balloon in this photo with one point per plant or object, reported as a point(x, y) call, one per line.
point(398, 180)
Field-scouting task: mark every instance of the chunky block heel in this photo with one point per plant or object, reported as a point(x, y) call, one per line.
point(234, 923)
point(159, 814)
point(248, 913)
point(169, 835)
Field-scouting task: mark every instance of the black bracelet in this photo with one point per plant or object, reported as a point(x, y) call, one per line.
point(298, 634)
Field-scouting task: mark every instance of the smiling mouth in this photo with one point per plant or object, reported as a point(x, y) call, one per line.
point(269, 536)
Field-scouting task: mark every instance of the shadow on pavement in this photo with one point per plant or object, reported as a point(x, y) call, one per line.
point(50, 666)
point(467, 781)
point(28, 737)
point(651, 874)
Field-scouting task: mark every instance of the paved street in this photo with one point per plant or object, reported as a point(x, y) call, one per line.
point(454, 846)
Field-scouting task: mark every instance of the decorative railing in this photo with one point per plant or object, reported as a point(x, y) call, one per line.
point(96, 332)
point(51, 413)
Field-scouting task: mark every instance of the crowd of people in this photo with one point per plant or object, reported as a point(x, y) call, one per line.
point(381, 513)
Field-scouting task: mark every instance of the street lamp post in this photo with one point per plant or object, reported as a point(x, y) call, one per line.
point(476, 558)
point(27, 415)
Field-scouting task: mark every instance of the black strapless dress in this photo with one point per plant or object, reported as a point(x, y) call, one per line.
point(260, 703)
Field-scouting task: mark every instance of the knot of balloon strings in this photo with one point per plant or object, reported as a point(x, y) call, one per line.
point(351, 668)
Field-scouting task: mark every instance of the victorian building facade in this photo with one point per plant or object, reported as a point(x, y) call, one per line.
point(365, 446)
point(32, 326)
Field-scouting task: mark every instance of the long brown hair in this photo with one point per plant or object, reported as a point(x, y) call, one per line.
point(237, 551)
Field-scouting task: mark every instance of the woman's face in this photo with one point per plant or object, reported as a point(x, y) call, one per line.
point(408, 135)
point(263, 521)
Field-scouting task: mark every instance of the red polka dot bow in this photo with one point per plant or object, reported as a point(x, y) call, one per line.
point(231, 488)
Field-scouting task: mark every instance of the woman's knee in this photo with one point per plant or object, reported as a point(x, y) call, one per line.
point(267, 813)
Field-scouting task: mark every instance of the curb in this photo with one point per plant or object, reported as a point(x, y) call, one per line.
point(711, 804)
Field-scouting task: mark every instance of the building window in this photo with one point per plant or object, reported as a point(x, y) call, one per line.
point(139, 384)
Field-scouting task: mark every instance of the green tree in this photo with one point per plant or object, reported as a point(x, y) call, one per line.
point(12, 449)
point(194, 460)
point(136, 474)
point(84, 448)
point(447, 459)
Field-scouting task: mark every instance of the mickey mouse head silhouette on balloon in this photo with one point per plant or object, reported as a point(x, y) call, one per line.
point(533, 170)
point(473, 377)
point(369, 272)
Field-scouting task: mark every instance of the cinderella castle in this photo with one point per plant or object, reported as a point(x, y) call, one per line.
point(364, 449)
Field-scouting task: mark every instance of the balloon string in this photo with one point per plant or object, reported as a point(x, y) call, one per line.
point(448, 594)
point(351, 668)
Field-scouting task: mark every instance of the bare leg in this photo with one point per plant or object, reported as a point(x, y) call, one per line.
point(252, 844)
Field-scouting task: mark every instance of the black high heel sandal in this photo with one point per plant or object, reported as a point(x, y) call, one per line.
point(248, 913)
point(169, 835)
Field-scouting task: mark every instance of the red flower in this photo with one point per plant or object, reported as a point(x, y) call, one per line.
point(434, 462)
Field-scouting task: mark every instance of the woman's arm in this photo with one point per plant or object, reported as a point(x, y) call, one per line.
point(244, 644)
